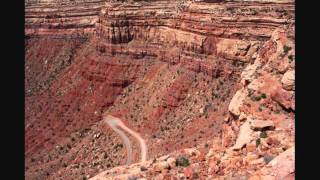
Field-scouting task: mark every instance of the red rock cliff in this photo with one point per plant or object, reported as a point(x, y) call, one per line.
point(181, 73)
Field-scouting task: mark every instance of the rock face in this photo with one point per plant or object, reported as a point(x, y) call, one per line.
point(61, 18)
point(217, 76)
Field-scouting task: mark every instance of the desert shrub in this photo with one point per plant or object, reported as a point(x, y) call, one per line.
point(258, 141)
point(182, 161)
point(250, 92)
point(260, 108)
point(263, 134)
point(255, 98)
point(286, 49)
point(290, 57)
point(206, 115)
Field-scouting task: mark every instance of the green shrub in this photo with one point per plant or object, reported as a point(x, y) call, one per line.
point(263, 134)
point(290, 57)
point(258, 141)
point(263, 95)
point(286, 49)
point(255, 98)
point(182, 161)
point(250, 92)
point(206, 115)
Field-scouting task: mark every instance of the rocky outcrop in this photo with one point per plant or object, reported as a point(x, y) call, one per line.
point(281, 167)
point(263, 126)
point(244, 137)
point(70, 18)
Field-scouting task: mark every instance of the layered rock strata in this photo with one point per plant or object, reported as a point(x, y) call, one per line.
point(181, 73)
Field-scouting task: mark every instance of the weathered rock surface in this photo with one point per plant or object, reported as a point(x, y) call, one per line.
point(237, 102)
point(172, 70)
point(257, 124)
point(288, 80)
point(244, 137)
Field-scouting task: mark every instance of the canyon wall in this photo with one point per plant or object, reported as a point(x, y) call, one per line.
point(177, 72)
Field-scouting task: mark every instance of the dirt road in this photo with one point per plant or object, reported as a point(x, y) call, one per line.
point(114, 123)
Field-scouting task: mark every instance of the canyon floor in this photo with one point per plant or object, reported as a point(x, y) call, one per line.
point(208, 85)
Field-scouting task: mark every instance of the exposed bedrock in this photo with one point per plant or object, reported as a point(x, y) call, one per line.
point(171, 70)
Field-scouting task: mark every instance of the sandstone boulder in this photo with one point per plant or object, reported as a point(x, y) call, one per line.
point(161, 166)
point(171, 161)
point(288, 80)
point(248, 73)
point(284, 98)
point(237, 102)
point(257, 124)
point(282, 166)
point(257, 161)
point(244, 137)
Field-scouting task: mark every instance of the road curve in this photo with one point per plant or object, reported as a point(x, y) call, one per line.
point(114, 122)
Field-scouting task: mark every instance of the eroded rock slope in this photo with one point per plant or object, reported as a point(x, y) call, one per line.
point(208, 82)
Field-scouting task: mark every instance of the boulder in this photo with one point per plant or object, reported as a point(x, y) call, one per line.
point(288, 80)
point(282, 166)
point(237, 102)
point(256, 124)
point(283, 98)
point(257, 161)
point(248, 73)
point(161, 166)
point(228, 135)
point(251, 147)
point(171, 161)
point(244, 137)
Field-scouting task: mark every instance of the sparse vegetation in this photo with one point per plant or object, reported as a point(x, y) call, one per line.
point(286, 49)
point(258, 141)
point(255, 98)
point(258, 97)
point(206, 115)
point(214, 94)
point(260, 108)
point(220, 82)
point(182, 161)
point(291, 58)
point(250, 92)
point(263, 134)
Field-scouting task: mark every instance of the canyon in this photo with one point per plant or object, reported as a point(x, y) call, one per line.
point(206, 82)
